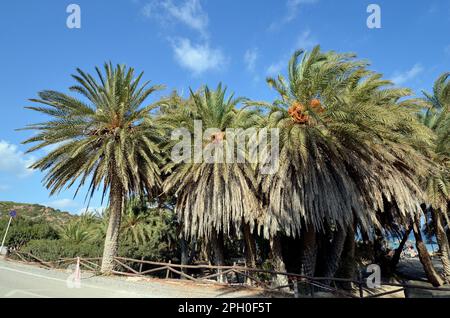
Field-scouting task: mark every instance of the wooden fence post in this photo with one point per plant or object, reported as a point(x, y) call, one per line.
point(168, 271)
point(360, 285)
point(141, 264)
point(295, 281)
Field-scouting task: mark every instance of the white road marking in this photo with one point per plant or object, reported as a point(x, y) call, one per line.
point(28, 293)
point(84, 285)
point(32, 274)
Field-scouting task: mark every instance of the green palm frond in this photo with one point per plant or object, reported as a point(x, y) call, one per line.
point(213, 196)
point(342, 160)
point(107, 131)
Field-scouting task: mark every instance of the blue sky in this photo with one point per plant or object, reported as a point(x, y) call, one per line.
point(188, 43)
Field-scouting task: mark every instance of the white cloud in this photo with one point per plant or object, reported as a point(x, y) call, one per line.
point(306, 40)
point(4, 187)
point(250, 57)
point(447, 49)
point(197, 58)
point(63, 204)
point(189, 13)
point(292, 9)
point(275, 68)
point(400, 78)
point(14, 161)
point(97, 210)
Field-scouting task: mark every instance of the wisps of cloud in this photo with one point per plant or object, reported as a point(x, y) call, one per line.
point(447, 49)
point(197, 58)
point(250, 58)
point(275, 68)
point(63, 204)
point(4, 187)
point(304, 41)
point(95, 210)
point(14, 161)
point(292, 10)
point(400, 78)
point(73, 207)
point(190, 13)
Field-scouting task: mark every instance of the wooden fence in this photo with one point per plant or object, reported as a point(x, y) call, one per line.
point(230, 275)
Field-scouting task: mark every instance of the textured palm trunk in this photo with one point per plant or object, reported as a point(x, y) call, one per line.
point(278, 263)
point(335, 253)
point(424, 256)
point(184, 246)
point(442, 241)
point(347, 263)
point(309, 251)
point(112, 234)
point(399, 250)
point(218, 253)
point(250, 249)
point(250, 246)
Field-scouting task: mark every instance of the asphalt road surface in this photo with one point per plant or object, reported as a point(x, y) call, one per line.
point(25, 281)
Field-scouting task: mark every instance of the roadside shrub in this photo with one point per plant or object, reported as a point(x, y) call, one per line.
point(52, 250)
point(23, 231)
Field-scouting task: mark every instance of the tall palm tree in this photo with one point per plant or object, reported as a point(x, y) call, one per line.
point(345, 151)
point(106, 138)
point(214, 199)
point(437, 117)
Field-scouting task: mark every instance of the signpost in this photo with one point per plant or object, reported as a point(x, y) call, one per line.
point(12, 214)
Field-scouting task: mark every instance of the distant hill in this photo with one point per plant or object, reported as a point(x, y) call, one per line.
point(35, 212)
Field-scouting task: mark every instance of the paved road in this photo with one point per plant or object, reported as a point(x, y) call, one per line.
point(25, 281)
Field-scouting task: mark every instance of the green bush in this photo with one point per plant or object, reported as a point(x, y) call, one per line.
point(153, 250)
point(52, 250)
point(24, 230)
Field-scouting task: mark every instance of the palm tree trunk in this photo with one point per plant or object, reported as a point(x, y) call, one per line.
point(347, 264)
point(441, 238)
point(398, 252)
point(278, 263)
point(184, 247)
point(250, 250)
point(424, 256)
point(334, 256)
point(250, 246)
point(112, 234)
point(218, 253)
point(309, 251)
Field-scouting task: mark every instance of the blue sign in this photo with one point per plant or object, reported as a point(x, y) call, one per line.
point(13, 214)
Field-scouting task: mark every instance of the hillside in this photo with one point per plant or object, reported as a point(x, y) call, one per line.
point(34, 212)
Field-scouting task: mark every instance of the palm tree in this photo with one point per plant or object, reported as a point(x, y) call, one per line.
point(214, 199)
point(437, 118)
point(107, 138)
point(345, 152)
point(76, 232)
point(135, 225)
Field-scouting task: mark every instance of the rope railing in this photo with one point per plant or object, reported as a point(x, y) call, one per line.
point(230, 275)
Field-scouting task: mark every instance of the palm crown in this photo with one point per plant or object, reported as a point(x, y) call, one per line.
point(213, 197)
point(106, 138)
point(338, 127)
